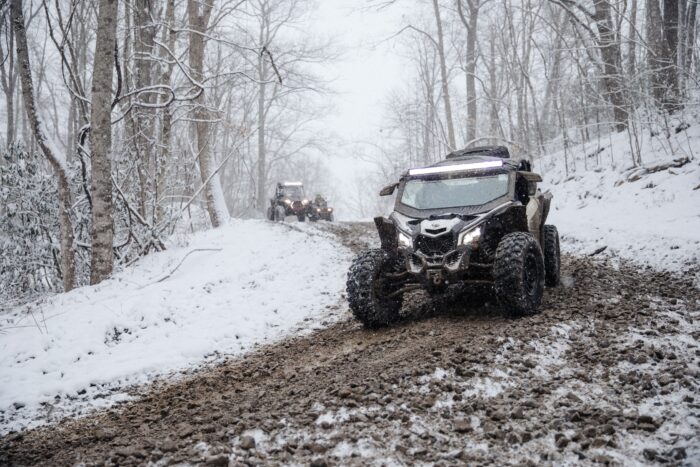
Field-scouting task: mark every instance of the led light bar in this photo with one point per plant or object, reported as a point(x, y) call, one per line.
point(455, 168)
point(292, 184)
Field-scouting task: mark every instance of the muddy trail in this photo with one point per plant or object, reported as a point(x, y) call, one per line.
point(606, 373)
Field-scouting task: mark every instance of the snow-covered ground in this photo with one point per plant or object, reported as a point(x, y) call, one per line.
point(650, 218)
point(227, 290)
point(240, 285)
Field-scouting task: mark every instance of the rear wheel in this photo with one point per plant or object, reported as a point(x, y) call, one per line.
point(519, 274)
point(369, 289)
point(552, 256)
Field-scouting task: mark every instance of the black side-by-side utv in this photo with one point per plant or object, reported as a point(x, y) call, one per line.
point(476, 217)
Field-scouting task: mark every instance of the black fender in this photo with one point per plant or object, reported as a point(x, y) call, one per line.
point(514, 219)
point(387, 234)
point(546, 203)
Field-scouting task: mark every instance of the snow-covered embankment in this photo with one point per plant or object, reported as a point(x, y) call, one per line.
point(250, 281)
point(649, 214)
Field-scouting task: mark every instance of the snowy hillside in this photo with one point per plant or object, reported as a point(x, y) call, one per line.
point(649, 214)
point(249, 282)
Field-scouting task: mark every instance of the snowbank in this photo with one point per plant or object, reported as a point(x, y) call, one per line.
point(263, 280)
point(649, 218)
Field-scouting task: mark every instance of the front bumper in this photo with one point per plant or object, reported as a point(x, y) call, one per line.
point(296, 208)
point(438, 269)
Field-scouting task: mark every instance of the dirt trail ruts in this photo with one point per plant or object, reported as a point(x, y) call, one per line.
point(607, 373)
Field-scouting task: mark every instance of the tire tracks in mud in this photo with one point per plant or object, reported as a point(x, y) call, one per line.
point(607, 373)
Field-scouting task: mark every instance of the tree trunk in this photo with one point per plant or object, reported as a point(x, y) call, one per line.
point(494, 119)
point(57, 162)
point(547, 117)
point(10, 120)
point(101, 142)
point(690, 37)
point(632, 42)
point(145, 32)
point(671, 44)
point(470, 25)
point(166, 124)
point(664, 78)
point(671, 26)
point(198, 24)
point(8, 86)
point(612, 63)
point(70, 130)
point(443, 76)
point(262, 162)
point(655, 51)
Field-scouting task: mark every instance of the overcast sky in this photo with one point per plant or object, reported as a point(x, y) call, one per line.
point(362, 78)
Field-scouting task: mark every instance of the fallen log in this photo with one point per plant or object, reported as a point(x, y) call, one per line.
point(639, 172)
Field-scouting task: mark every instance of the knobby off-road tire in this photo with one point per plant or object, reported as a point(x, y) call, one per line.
point(552, 256)
point(367, 290)
point(301, 217)
point(279, 214)
point(518, 272)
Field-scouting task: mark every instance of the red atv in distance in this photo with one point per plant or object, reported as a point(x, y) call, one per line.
point(289, 200)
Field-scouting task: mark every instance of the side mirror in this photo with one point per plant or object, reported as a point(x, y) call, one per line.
point(388, 190)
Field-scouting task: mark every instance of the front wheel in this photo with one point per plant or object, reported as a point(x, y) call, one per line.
point(369, 289)
point(552, 256)
point(519, 272)
point(280, 214)
point(301, 217)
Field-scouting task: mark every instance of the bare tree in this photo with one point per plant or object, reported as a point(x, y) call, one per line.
point(671, 32)
point(142, 124)
point(632, 40)
point(8, 75)
point(691, 15)
point(280, 83)
point(198, 23)
point(444, 78)
point(470, 21)
point(101, 141)
point(56, 160)
point(607, 41)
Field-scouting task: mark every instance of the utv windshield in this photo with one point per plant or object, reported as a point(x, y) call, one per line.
point(453, 192)
point(292, 192)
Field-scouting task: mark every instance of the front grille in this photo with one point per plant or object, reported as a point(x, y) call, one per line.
point(452, 260)
point(437, 246)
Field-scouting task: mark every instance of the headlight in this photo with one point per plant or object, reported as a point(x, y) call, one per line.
point(318, 209)
point(305, 202)
point(330, 209)
point(405, 240)
point(470, 237)
point(288, 201)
